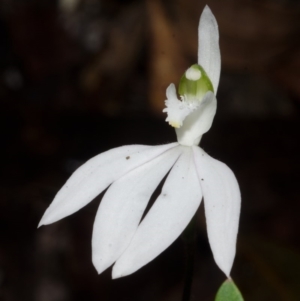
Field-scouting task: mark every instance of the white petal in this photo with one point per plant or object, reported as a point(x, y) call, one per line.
point(95, 175)
point(208, 48)
point(198, 122)
point(122, 207)
point(170, 214)
point(176, 109)
point(222, 201)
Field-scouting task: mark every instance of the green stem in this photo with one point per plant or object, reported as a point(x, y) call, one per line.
point(189, 237)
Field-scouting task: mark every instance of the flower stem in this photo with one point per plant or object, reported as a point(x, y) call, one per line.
point(189, 238)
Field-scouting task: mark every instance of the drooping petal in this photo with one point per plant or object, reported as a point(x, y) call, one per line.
point(198, 122)
point(95, 175)
point(172, 211)
point(122, 207)
point(176, 109)
point(208, 46)
point(222, 201)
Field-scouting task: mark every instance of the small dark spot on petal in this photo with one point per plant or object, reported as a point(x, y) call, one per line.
point(128, 157)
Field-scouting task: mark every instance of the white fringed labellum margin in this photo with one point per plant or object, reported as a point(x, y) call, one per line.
point(133, 172)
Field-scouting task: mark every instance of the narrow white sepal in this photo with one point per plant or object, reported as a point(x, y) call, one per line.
point(95, 175)
point(209, 56)
point(177, 110)
point(222, 201)
point(168, 217)
point(198, 122)
point(122, 207)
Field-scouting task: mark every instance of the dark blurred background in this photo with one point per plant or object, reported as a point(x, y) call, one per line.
point(78, 77)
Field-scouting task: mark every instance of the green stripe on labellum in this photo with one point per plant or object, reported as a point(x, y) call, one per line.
point(194, 83)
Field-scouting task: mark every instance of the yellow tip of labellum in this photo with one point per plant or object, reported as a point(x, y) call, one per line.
point(174, 124)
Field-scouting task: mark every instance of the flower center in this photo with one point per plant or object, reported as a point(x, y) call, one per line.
point(194, 84)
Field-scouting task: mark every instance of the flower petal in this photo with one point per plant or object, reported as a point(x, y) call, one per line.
point(95, 175)
point(170, 214)
point(198, 122)
point(122, 207)
point(208, 46)
point(222, 201)
point(176, 109)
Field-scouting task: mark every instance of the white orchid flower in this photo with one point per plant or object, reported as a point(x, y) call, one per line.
point(133, 172)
